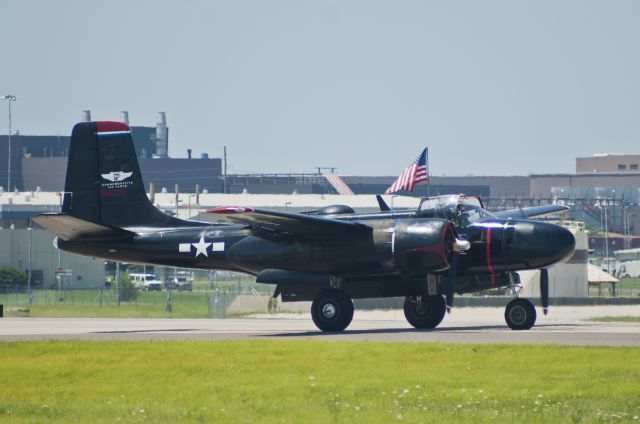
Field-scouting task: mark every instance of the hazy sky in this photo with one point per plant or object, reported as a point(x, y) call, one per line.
point(491, 87)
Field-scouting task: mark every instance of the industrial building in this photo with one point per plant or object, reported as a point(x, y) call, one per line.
point(32, 249)
point(39, 163)
point(607, 163)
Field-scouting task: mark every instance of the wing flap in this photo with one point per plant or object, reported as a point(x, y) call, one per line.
point(309, 226)
point(68, 227)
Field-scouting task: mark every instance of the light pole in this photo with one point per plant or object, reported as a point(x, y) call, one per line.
point(30, 230)
point(606, 234)
point(10, 98)
point(189, 199)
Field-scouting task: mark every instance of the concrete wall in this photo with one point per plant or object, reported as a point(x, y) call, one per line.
point(14, 250)
point(46, 173)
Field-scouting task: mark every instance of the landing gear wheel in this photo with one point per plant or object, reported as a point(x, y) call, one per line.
point(520, 314)
point(332, 310)
point(424, 311)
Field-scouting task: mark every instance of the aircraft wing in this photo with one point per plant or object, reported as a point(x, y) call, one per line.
point(309, 226)
point(531, 212)
point(68, 227)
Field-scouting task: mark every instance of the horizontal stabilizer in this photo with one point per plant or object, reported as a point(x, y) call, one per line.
point(68, 227)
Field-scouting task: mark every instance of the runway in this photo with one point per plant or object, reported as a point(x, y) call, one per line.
point(565, 325)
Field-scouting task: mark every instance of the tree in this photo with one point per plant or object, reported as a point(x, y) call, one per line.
point(12, 276)
point(128, 290)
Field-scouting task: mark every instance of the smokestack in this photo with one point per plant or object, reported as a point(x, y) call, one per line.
point(152, 192)
point(124, 117)
point(86, 115)
point(162, 136)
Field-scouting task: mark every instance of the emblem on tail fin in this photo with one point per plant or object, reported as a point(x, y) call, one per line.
point(116, 176)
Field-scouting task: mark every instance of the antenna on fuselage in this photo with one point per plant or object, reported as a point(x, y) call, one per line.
point(382, 204)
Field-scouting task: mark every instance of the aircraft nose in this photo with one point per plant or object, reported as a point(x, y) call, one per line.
point(543, 244)
point(562, 240)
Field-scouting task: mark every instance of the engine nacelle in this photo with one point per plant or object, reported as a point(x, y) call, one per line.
point(422, 245)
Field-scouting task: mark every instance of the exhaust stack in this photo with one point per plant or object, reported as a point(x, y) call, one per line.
point(162, 136)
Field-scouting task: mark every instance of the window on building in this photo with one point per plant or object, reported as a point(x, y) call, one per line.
point(633, 166)
point(622, 167)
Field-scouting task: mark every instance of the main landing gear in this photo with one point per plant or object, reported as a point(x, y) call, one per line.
point(424, 311)
point(332, 310)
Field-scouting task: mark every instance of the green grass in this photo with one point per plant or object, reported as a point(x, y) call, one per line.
point(199, 303)
point(628, 287)
point(93, 303)
point(626, 318)
point(630, 283)
point(311, 381)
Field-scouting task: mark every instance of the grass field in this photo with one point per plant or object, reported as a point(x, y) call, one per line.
point(102, 304)
point(630, 283)
point(626, 318)
point(310, 381)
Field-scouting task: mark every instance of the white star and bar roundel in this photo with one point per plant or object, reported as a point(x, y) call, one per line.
point(202, 247)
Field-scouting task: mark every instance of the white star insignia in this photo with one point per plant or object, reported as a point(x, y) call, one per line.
point(201, 247)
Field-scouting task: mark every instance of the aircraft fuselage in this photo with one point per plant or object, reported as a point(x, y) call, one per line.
point(497, 246)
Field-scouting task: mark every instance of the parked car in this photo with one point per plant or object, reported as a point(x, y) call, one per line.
point(178, 283)
point(148, 282)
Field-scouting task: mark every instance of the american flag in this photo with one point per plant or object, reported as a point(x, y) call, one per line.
point(412, 175)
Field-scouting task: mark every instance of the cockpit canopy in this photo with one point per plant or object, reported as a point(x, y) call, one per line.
point(461, 209)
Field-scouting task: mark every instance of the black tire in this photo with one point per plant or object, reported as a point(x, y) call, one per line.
point(520, 314)
point(425, 311)
point(332, 310)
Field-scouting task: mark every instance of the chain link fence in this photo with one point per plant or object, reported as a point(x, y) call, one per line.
point(207, 299)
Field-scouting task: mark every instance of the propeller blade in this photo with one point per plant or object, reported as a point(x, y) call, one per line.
point(544, 289)
point(451, 281)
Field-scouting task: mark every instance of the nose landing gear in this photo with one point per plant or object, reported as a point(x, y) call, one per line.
point(520, 314)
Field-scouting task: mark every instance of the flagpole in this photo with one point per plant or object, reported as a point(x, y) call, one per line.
point(428, 173)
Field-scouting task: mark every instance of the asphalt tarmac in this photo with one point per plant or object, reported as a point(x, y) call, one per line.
point(564, 325)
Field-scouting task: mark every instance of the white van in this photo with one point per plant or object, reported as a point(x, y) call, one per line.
point(627, 263)
point(148, 282)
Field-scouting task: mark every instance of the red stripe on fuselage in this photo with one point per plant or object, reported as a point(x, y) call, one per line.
point(489, 264)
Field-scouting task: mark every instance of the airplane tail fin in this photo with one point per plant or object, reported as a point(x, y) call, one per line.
point(103, 183)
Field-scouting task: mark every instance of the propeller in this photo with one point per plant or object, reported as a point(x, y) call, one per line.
point(458, 247)
point(544, 289)
point(452, 276)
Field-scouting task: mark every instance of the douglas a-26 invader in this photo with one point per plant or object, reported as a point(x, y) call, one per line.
point(450, 244)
